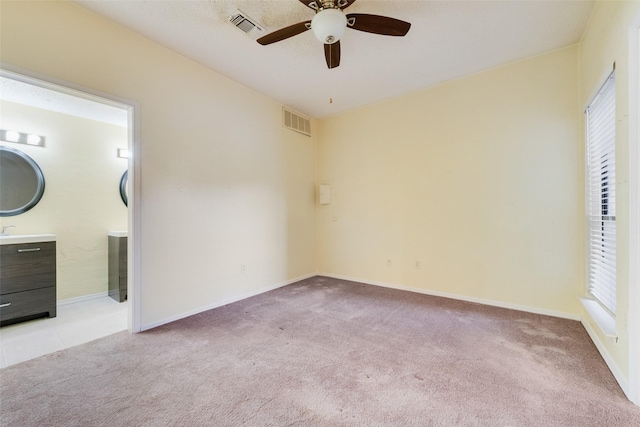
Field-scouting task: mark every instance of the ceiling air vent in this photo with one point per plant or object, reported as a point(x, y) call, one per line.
point(250, 26)
point(296, 122)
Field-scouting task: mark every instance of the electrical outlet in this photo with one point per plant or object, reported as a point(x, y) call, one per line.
point(418, 264)
point(243, 268)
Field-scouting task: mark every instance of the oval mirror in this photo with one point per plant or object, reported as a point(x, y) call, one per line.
point(21, 182)
point(123, 188)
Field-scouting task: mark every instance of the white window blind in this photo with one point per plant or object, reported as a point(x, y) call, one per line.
point(601, 194)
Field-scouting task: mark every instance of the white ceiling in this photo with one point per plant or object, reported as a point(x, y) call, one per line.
point(448, 39)
point(54, 100)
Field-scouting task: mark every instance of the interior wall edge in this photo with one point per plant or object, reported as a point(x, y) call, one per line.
point(146, 327)
point(493, 303)
point(634, 208)
point(608, 359)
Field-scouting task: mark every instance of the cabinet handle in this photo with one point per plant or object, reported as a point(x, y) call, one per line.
point(5, 304)
point(28, 250)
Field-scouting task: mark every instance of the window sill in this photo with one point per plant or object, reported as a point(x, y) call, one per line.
point(601, 317)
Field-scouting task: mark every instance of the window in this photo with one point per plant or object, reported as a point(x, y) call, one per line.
point(601, 195)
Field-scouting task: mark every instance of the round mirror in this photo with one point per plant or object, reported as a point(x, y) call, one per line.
point(21, 182)
point(123, 188)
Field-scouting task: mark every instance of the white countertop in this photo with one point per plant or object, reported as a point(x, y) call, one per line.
point(27, 238)
point(121, 233)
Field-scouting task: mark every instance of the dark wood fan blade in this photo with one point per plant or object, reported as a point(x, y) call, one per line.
point(343, 4)
point(332, 54)
point(285, 33)
point(377, 24)
point(312, 4)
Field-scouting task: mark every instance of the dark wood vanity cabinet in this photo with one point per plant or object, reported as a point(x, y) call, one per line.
point(27, 281)
point(118, 268)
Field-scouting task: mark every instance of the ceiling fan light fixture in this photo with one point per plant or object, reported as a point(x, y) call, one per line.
point(328, 25)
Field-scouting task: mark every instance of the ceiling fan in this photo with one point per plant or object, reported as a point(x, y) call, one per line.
point(329, 24)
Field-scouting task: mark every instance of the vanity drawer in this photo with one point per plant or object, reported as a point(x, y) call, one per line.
point(36, 303)
point(27, 266)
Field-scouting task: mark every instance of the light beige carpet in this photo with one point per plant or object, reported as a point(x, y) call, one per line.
point(326, 352)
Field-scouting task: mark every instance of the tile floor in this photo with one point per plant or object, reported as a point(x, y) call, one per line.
point(75, 324)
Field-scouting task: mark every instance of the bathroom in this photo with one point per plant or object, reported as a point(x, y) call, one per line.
point(83, 159)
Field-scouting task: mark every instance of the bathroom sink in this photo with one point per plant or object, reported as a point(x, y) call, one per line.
point(26, 238)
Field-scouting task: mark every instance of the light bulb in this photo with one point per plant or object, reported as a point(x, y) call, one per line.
point(12, 136)
point(328, 25)
point(33, 139)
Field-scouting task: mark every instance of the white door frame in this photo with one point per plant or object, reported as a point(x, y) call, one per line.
point(134, 211)
point(634, 212)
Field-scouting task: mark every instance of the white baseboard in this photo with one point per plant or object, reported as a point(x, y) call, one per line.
point(622, 381)
point(535, 310)
point(82, 298)
point(225, 302)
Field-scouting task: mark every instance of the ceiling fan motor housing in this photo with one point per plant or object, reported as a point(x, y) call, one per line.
point(330, 22)
point(328, 25)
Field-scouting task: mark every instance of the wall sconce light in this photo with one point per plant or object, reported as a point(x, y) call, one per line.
point(22, 138)
point(123, 153)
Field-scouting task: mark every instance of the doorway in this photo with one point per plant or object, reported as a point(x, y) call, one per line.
point(114, 121)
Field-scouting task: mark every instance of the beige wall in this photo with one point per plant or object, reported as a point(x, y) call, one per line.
point(478, 180)
point(222, 183)
point(81, 200)
point(605, 42)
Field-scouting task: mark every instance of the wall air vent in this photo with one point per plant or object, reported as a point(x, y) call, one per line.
point(250, 26)
point(296, 122)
